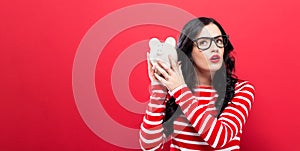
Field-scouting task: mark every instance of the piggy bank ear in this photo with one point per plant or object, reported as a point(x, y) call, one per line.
point(153, 42)
point(171, 41)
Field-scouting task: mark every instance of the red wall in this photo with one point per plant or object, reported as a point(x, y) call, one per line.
point(41, 103)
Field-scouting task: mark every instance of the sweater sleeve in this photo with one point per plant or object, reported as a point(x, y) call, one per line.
point(217, 132)
point(151, 132)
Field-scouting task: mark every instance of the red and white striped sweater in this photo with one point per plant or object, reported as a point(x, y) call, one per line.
point(198, 128)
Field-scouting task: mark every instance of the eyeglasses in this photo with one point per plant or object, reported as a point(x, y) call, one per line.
point(203, 43)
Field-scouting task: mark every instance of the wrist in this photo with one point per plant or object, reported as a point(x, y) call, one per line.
point(175, 90)
point(158, 86)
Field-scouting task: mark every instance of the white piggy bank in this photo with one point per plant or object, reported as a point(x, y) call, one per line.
point(161, 50)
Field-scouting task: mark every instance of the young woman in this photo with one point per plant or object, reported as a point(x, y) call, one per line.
point(197, 102)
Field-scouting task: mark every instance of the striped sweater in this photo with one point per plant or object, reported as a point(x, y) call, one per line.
point(198, 128)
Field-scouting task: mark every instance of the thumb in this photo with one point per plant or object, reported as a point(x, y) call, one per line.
point(179, 68)
point(180, 71)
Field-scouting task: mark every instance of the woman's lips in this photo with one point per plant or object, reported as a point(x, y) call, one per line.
point(215, 58)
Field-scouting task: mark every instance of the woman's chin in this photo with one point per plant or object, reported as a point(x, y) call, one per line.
point(215, 67)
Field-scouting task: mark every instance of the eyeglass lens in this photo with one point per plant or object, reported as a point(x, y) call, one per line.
point(205, 42)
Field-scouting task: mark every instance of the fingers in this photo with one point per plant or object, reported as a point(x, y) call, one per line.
point(150, 66)
point(164, 71)
point(148, 61)
point(180, 70)
point(172, 62)
point(179, 63)
point(151, 69)
point(161, 79)
point(165, 67)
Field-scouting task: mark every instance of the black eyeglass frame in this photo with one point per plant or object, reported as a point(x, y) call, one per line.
point(225, 41)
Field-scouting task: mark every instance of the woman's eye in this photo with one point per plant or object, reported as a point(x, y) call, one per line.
point(203, 43)
point(219, 41)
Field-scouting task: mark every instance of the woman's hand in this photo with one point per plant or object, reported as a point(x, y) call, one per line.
point(170, 77)
point(151, 70)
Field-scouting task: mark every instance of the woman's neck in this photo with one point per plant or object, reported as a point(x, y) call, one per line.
point(205, 77)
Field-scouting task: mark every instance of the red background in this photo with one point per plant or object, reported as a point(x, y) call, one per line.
point(39, 40)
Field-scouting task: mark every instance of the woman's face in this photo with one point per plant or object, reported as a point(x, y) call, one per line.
point(210, 59)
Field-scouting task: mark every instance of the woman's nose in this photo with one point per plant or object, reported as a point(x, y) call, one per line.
point(214, 47)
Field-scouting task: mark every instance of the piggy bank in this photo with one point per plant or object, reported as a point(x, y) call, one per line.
point(161, 50)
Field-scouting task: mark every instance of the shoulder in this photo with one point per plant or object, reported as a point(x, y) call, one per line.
point(244, 90)
point(244, 84)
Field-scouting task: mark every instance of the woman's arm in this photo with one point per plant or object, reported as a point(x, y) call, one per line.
point(217, 132)
point(151, 133)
